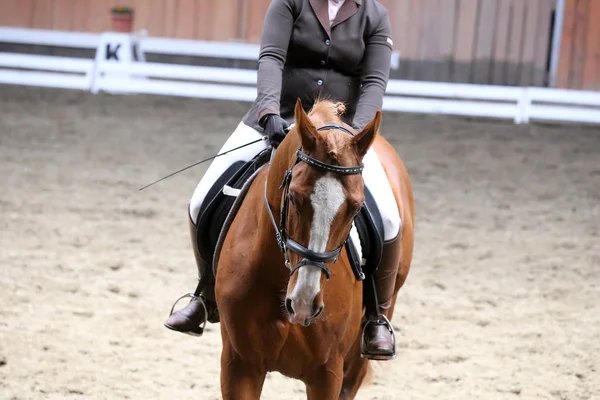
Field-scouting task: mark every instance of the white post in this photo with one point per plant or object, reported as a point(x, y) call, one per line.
point(522, 116)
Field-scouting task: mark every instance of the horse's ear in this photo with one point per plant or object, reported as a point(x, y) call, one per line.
point(305, 128)
point(363, 140)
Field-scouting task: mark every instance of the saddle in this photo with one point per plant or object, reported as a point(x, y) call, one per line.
point(226, 195)
point(369, 226)
point(219, 204)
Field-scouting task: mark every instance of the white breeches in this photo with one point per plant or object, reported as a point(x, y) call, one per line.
point(373, 174)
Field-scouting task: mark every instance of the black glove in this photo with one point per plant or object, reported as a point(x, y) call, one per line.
point(275, 127)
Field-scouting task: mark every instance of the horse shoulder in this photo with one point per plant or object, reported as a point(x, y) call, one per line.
point(244, 292)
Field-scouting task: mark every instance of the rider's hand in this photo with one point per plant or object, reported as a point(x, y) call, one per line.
point(275, 127)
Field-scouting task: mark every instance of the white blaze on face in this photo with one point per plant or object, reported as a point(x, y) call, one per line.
point(326, 200)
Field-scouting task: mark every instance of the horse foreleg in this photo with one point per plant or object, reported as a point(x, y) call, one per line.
point(326, 383)
point(239, 380)
point(355, 371)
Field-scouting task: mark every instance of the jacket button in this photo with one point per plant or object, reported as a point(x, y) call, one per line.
point(320, 82)
point(327, 42)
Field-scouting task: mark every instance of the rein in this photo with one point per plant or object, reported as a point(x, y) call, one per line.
point(310, 257)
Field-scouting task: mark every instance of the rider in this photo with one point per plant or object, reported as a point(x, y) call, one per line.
point(338, 49)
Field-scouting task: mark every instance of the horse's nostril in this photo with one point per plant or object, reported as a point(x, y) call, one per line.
point(319, 311)
point(288, 306)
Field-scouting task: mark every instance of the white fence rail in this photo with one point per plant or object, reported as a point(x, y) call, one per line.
point(43, 37)
point(176, 80)
point(124, 75)
point(563, 105)
point(33, 70)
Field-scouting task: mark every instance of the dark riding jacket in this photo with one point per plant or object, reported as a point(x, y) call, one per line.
point(301, 56)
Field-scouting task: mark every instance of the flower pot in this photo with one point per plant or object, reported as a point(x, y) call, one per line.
point(122, 21)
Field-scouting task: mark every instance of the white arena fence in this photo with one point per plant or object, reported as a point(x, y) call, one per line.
point(120, 67)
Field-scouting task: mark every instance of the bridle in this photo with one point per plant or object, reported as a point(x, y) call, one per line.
point(316, 259)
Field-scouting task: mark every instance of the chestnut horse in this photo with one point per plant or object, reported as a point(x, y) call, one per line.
point(304, 323)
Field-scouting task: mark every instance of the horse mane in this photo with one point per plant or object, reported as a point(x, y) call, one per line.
point(327, 110)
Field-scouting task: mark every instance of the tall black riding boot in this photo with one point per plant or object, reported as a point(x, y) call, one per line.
point(202, 306)
point(379, 340)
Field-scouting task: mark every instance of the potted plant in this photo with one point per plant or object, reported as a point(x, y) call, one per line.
point(122, 19)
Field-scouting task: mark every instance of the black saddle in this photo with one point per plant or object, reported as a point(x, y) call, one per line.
point(217, 205)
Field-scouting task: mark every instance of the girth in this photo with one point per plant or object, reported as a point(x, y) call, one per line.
point(309, 257)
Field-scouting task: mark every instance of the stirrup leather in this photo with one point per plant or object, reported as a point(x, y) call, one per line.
point(380, 320)
point(200, 330)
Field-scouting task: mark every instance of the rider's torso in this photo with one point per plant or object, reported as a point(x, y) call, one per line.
point(326, 64)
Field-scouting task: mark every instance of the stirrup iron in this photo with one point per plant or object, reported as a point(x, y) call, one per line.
point(201, 300)
point(380, 320)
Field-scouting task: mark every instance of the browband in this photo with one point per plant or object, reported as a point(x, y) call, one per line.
point(329, 167)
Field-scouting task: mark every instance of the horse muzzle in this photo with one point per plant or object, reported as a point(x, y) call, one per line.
point(300, 313)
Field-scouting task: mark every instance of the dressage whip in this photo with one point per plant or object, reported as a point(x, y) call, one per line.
point(200, 162)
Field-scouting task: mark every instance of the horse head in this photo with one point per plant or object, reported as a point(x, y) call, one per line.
point(323, 190)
